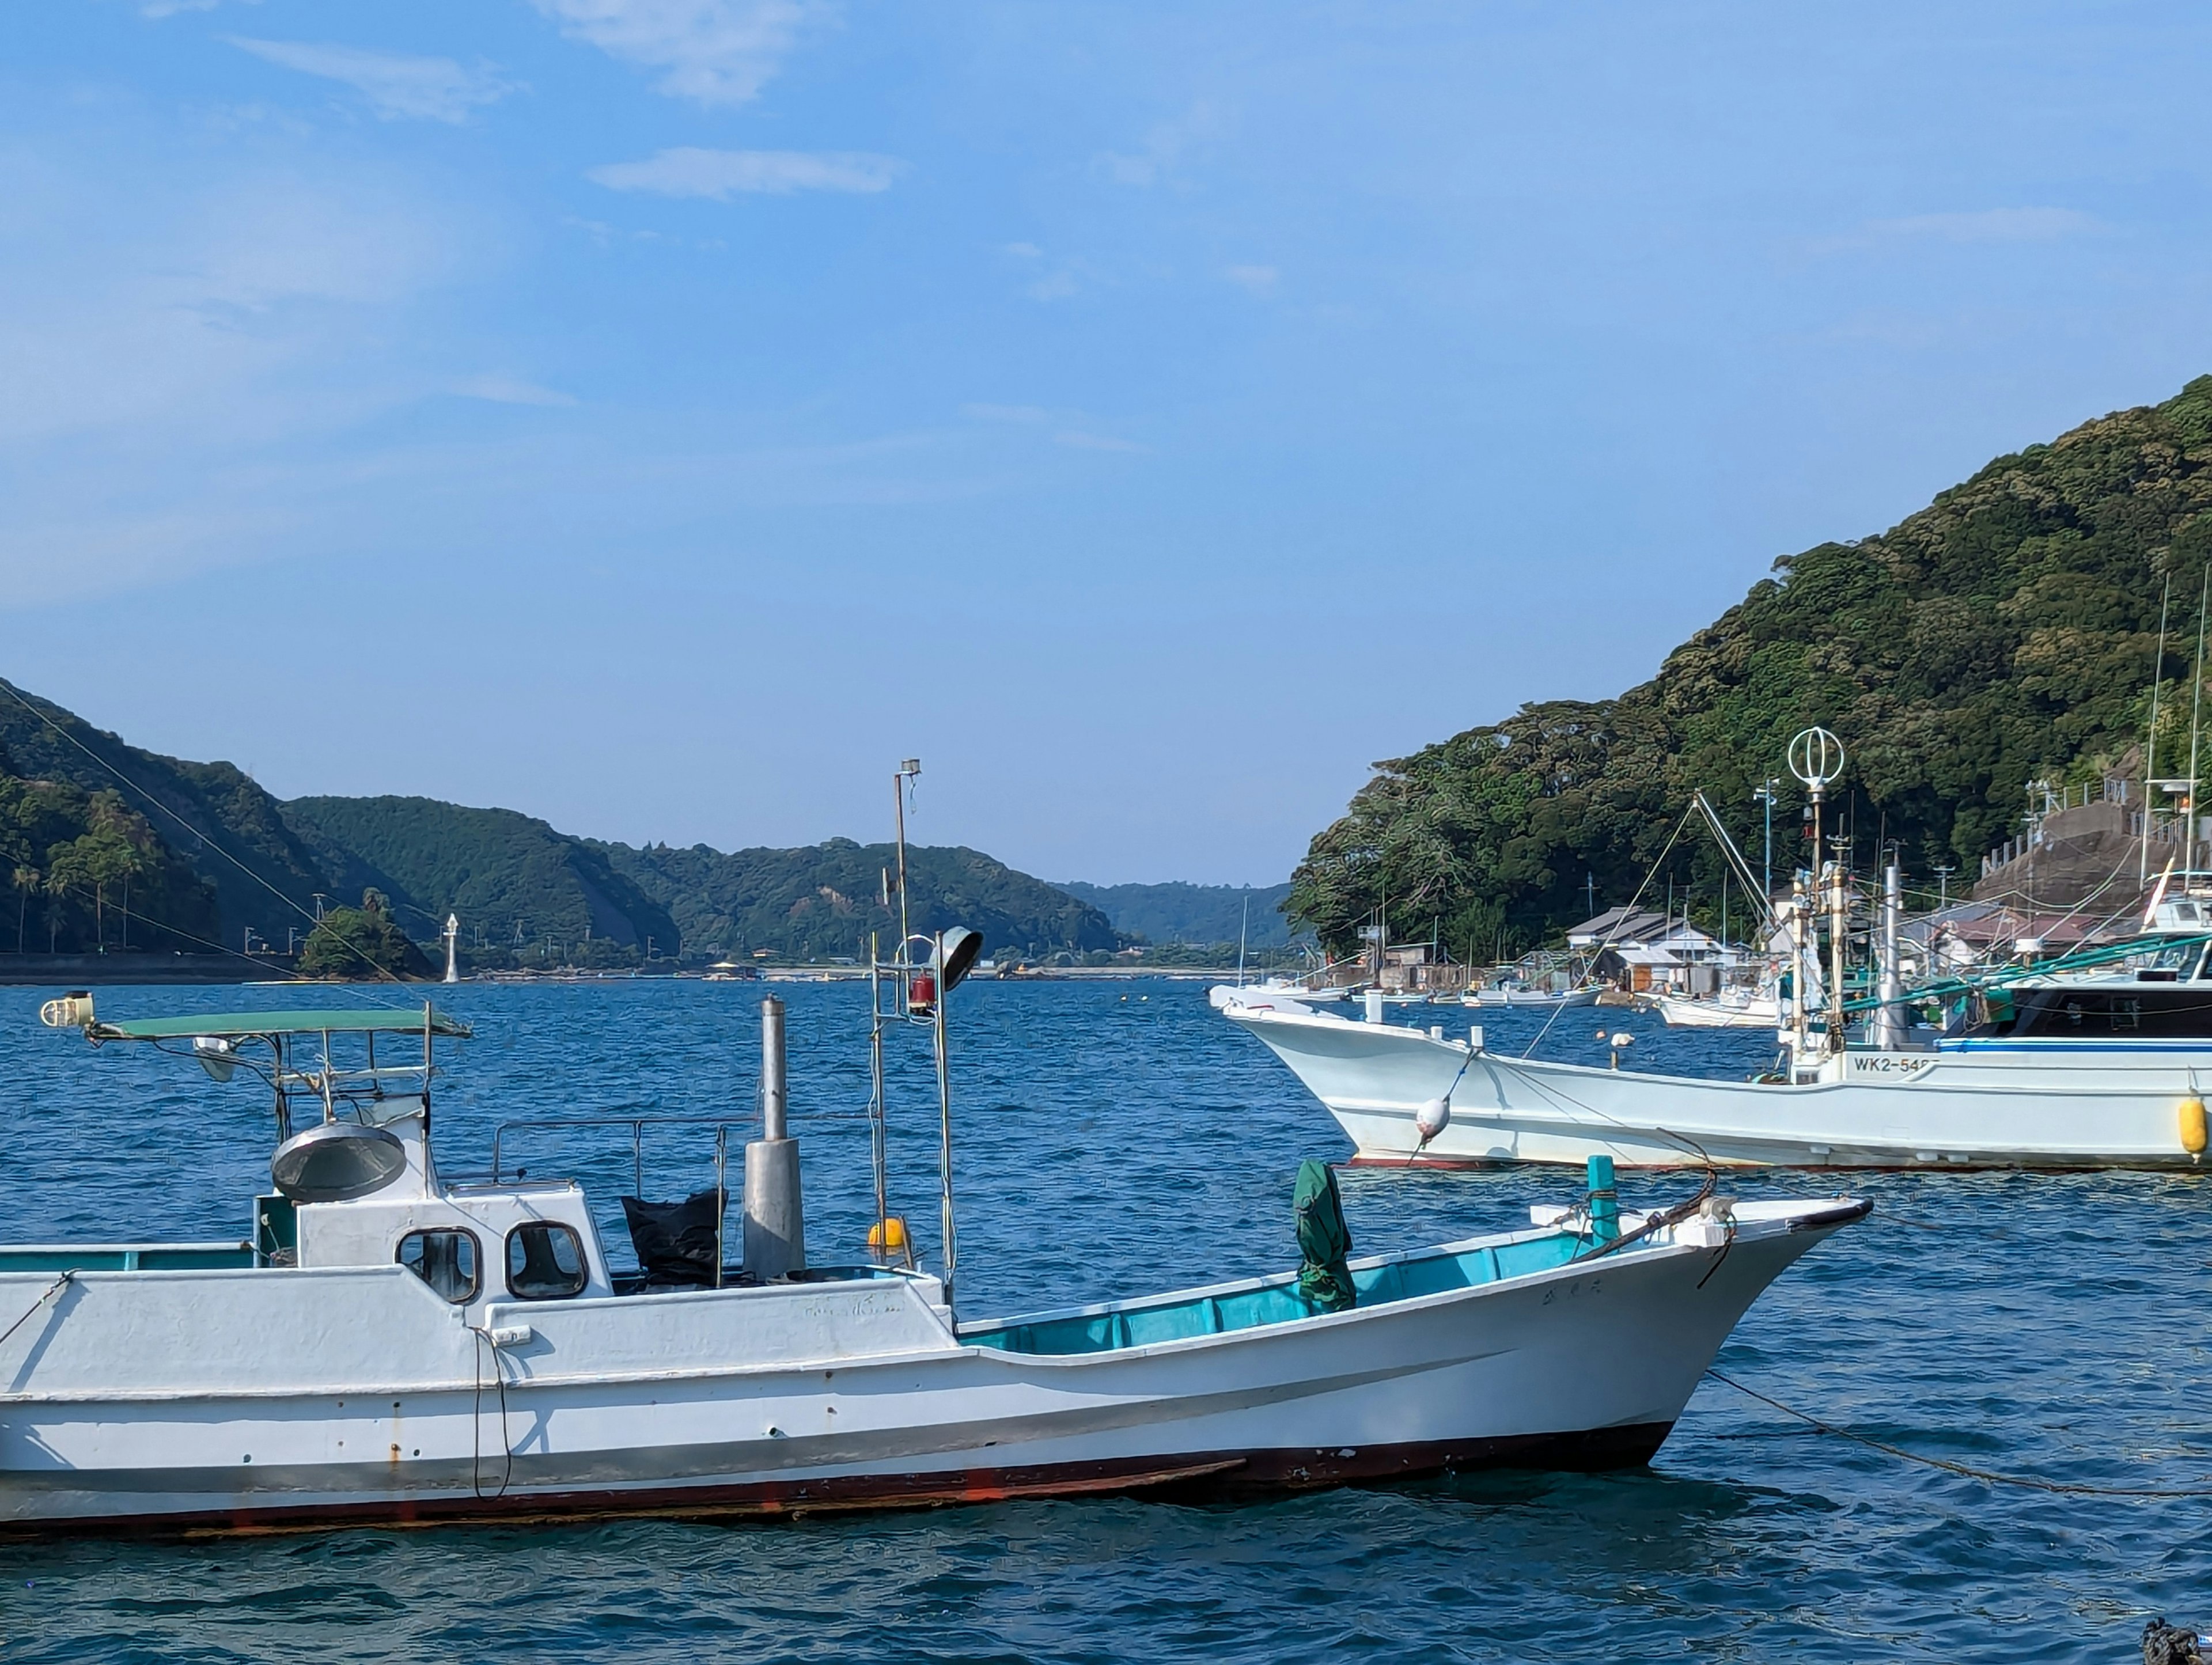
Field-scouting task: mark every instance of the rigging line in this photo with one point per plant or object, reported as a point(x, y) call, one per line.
point(1627, 914)
point(67, 1277)
point(16, 695)
point(1733, 857)
point(81, 895)
point(1988, 1477)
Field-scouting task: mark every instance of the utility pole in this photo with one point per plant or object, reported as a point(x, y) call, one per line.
point(1943, 881)
point(1765, 795)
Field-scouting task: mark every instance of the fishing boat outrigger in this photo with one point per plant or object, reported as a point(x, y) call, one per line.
point(395, 1343)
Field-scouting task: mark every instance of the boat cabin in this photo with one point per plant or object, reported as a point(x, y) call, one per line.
point(356, 1182)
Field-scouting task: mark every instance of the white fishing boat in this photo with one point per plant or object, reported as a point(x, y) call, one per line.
point(389, 1341)
point(1541, 999)
point(1290, 988)
point(2100, 1063)
point(1731, 1009)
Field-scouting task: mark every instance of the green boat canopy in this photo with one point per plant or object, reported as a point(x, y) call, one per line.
point(240, 1025)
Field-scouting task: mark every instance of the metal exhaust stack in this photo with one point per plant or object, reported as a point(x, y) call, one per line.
point(775, 1214)
point(1889, 1018)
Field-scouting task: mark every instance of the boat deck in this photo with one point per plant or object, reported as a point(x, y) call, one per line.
point(1379, 1281)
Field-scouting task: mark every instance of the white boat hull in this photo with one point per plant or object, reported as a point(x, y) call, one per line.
point(1541, 999)
point(271, 1399)
point(1676, 1013)
point(1997, 1104)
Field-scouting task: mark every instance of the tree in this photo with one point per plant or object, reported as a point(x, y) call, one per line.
point(352, 944)
point(26, 880)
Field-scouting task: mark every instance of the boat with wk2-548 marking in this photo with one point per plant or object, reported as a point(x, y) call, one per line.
point(394, 1342)
point(2097, 1061)
point(2093, 1060)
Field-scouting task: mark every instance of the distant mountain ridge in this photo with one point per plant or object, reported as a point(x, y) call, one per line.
point(1201, 914)
point(229, 858)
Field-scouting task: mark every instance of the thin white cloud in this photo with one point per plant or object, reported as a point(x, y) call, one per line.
point(1077, 440)
point(1254, 280)
point(1014, 413)
point(689, 171)
point(716, 52)
point(396, 87)
point(1025, 251)
point(511, 390)
point(1993, 225)
point(1167, 143)
point(1988, 225)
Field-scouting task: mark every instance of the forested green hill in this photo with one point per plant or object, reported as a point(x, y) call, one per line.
point(216, 821)
point(823, 900)
point(202, 854)
point(2003, 634)
point(511, 878)
point(1203, 914)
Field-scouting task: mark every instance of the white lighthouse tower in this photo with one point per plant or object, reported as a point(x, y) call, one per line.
point(453, 957)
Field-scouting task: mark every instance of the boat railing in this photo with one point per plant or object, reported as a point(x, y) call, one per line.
point(636, 1125)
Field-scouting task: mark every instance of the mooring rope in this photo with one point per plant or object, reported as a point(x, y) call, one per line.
point(1988, 1477)
point(66, 1276)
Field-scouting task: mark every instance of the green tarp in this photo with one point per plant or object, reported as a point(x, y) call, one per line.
point(1324, 1239)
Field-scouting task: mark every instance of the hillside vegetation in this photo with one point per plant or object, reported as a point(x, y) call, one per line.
point(510, 877)
point(2004, 634)
point(1201, 914)
point(217, 823)
point(201, 855)
point(824, 899)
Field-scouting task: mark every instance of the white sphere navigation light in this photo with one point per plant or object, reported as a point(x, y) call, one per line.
point(1816, 758)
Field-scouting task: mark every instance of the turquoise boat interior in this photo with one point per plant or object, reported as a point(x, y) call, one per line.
point(1379, 1281)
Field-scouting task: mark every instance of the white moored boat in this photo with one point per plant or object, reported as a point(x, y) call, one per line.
point(1736, 1009)
point(391, 1342)
point(2098, 1067)
point(1544, 999)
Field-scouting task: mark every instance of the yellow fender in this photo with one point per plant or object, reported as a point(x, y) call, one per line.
point(2191, 1117)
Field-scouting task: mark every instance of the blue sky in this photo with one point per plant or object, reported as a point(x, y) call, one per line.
point(662, 415)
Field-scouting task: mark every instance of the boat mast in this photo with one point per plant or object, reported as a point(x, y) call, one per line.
point(1816, 758)
point(2150, 747)
point(2196, 706)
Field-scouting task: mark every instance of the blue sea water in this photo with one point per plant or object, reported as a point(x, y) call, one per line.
point(1118, 1137)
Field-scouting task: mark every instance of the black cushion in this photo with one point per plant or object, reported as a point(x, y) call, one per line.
point(675, 1241)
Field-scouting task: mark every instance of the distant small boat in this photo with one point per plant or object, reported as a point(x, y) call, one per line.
point(1515, 995)
point(1742, 1010)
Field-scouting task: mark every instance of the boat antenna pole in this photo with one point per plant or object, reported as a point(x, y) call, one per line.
point(2150, 748)
point(945, 1133)
point(2195, 705)
point(907, 771)
point(880, 1235)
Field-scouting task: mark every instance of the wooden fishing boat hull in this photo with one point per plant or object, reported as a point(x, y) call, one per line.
point(275, 1399)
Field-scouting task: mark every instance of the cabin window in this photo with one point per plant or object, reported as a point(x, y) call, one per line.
point(446, 1260)
point(544, 1262)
